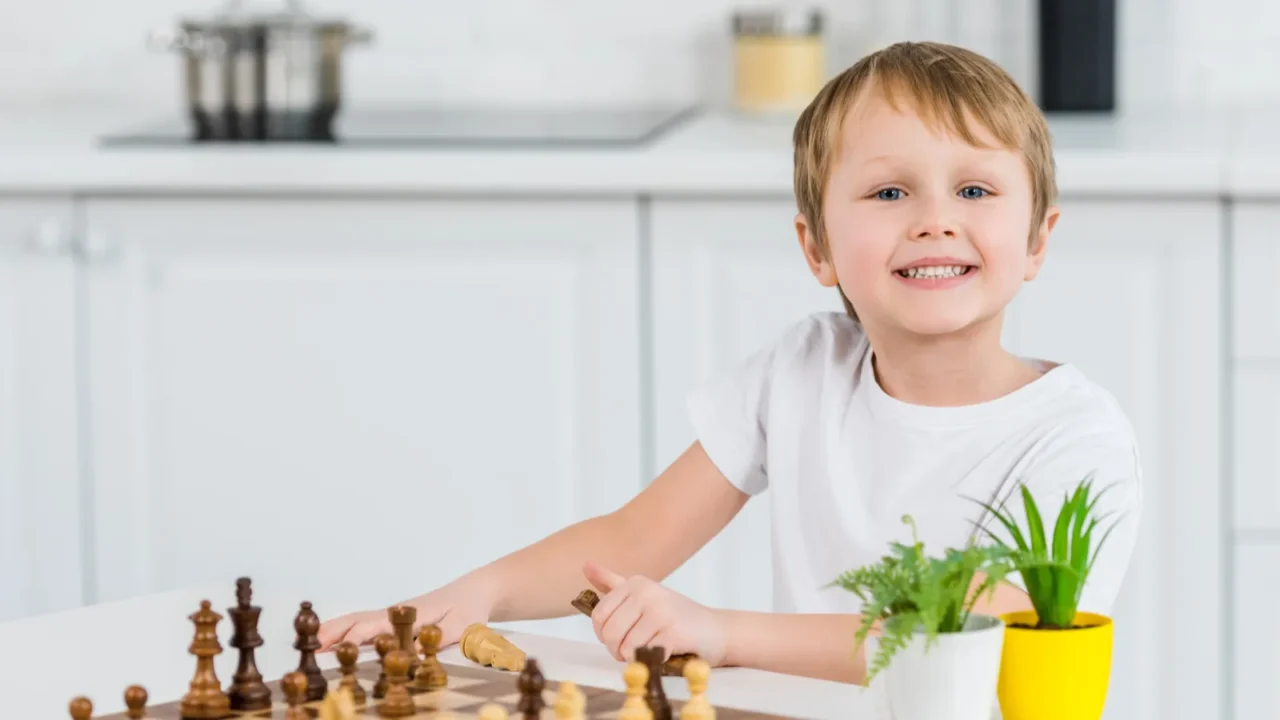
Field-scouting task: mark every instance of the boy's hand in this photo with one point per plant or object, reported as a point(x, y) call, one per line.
point(637, 612)
point(452, 607)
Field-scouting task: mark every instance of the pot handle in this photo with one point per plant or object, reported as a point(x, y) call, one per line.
point(171, 39)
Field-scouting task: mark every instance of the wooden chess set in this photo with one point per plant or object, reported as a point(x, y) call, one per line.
point(409, 681)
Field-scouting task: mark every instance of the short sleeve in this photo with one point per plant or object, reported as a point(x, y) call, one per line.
point(1113, 463)
point(729, 414)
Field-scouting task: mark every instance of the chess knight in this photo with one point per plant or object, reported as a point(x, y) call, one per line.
point(484, 645)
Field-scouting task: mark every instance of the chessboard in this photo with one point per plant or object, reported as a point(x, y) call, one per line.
point(407, 680)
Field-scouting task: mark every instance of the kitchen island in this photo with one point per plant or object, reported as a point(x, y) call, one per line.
point(99, 651)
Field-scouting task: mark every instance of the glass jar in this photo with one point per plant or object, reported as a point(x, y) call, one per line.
point(779, 59)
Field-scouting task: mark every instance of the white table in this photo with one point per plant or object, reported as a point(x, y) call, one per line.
point(100, 650)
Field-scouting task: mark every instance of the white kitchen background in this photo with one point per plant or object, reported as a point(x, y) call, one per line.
point(360, 397)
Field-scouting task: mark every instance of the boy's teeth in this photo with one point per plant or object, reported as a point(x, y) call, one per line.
point(933, 271)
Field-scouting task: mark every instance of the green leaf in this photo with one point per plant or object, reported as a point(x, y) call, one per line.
point(1035, 527)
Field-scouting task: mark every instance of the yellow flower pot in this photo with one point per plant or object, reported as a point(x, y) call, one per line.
point(1055, 674)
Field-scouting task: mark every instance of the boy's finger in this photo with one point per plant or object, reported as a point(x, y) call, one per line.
point(602, 578)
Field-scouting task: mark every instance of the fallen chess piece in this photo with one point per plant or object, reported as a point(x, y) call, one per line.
point(485, 646)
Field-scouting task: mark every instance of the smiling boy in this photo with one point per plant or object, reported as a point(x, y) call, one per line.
point(925, 188)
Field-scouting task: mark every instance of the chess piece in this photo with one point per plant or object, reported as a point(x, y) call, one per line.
point(247, 691)
point(295, 693)
point(402, 619)
point(338, 705)
point(586, 602)
point(571, 703)
point(135, 699)
point(531, 683)
point(483, 645)
point(696, 674)
point(205, 698)
point(492, 711)
point(384, 644)
point(307, 626)
point(431, 674)
point(81, 708)
point(398, 703)
point(636, 676)
point(655, 697)
point(348, 653)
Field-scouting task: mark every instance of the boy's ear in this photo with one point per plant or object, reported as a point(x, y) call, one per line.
point(813, 255)
point(1036, 252)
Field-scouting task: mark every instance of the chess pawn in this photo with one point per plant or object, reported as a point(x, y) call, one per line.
point(205, 699)
point(348, 653)
point(398, 703)
point(295, 693)
point(338, 705)
point(247, 691)
point(571, 703)
point(135, 699)
point(636, 676)
point(531, 683)
point(307, 626)
point(492, 711)
point(384, 644)
point(696, 674)
point(431, 674)
point(81, 708)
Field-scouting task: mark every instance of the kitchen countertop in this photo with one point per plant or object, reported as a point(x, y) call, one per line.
point(98, 651)
point(55, 150)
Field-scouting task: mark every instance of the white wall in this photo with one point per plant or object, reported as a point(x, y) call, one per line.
point(1173, 52)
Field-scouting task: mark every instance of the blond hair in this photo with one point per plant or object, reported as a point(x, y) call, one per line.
point(946, 85)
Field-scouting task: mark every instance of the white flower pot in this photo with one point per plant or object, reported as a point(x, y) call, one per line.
point(955, 679)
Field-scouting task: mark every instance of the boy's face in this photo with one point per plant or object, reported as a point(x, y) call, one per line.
point(926, 233)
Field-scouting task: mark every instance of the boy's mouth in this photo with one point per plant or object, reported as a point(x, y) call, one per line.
point(930, 272)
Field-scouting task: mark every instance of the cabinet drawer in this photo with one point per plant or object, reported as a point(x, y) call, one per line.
point(1257, 446)
point(1255, 291)
point(1257, 654)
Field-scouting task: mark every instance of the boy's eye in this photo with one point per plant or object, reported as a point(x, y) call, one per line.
point(973, 192)
point(889, 194)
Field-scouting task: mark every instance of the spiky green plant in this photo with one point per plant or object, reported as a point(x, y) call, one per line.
point(1053, 570)
point(909, 591)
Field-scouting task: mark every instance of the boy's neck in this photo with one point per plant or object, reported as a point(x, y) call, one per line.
point(955, 370)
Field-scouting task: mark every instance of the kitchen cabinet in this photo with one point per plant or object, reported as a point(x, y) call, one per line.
point(359, 399)
point(40, 491)
point(1131, 293)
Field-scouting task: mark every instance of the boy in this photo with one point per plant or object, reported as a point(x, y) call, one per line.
point(925, 184)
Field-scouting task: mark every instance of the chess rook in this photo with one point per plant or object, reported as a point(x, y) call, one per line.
point(655, 697)
point(205, 699)
point(402, 618)
point(247, 691)
point(307, 626)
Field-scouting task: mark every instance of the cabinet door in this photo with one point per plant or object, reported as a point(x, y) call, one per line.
point(361, 399)
point(728, 278)
point(40, 519)
point(1131, 293)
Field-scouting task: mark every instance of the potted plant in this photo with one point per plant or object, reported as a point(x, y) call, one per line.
point(933, 657)
point(1056, 660)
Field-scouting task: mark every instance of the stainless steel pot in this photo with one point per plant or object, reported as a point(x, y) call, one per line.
point(273, 75)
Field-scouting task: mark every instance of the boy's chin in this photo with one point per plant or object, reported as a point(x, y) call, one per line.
point(940, 324)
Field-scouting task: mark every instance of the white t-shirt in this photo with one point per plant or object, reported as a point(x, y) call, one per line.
point(806, 419)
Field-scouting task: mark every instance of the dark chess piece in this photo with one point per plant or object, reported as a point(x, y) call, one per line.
point(530, 684)
point(384, 644)
point(398, 703)
point(348, 653)
point(81, 708)
point(307, 625)
point(402, 618)
point(247, 691)
point(431, 674)
point(205, 699)
point(655, 696)
point(135, 699)
point(295, 692)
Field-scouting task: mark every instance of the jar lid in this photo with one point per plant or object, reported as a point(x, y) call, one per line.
point(778, 21)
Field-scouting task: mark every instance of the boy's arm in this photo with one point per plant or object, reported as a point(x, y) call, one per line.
point(817, 645)
point(652, 535)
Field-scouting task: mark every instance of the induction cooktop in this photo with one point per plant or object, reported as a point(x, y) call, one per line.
point(433, 126)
